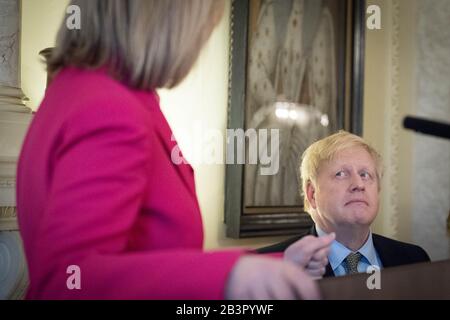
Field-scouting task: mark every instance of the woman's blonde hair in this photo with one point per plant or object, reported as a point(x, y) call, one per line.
point(146, 44)
point(325, 150)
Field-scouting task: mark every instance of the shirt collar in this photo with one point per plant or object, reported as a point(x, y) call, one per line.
point(338, 252)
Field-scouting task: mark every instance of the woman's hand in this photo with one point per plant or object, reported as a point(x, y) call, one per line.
point(264, 278)
point(311, 253)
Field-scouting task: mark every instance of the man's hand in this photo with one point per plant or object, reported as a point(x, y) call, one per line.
point(263, 278)
point(311, 253)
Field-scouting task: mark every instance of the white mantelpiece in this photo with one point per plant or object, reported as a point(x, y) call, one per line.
point(15, 118)
point(13, 272)
point(13, 127)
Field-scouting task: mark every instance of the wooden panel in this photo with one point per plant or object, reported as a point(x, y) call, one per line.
point(430, 280)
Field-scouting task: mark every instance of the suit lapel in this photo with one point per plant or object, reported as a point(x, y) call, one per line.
point(387, 257)
point(165, 136)
point(169, 143)
point(184, 170)
point(328, 271)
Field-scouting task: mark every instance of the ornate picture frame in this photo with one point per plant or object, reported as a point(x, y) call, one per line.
point(268, 207)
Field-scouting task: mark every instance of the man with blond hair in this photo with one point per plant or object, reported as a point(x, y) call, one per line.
point(340, 181)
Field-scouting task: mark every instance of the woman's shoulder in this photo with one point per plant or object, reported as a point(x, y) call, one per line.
point(95, 93)
point(92, 84)
point(83, 103)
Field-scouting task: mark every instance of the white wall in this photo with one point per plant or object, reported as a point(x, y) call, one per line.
point(40, 22)
point(388, 98)
point(431, 158)
point(407, 73)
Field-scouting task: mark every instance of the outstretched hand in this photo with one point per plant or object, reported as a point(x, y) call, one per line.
point(311, 253)
point(263, 278)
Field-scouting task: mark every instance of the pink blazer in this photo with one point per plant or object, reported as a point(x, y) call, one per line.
point(96, 188)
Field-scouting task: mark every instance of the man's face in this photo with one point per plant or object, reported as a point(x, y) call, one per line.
point(346, 190)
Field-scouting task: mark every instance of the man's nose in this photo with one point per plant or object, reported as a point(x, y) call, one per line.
point(357, 183)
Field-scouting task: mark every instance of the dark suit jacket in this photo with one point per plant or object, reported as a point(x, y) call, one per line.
point(392, 253)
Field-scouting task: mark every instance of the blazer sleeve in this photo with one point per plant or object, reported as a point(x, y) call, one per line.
point(421, 255)
point(100, 175)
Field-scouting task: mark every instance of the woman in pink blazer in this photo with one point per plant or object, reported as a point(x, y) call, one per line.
point(103, 211)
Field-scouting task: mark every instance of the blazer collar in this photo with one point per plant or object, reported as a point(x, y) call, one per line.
point(387, 256)
point(167, 139)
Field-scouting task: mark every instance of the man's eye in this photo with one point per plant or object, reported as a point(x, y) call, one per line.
point(340, 174)
point(365, 175)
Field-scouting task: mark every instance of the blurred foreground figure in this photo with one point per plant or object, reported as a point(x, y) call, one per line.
point(104, 213)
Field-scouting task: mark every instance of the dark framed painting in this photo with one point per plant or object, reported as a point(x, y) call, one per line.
point(296, 76)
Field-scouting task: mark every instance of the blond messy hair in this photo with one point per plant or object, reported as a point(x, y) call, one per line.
point(325, 150)
point(145, 44)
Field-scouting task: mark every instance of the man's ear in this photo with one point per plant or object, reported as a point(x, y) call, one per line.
point(311, 194)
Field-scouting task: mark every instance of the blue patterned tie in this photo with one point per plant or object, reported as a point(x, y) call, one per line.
point(351, 262)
